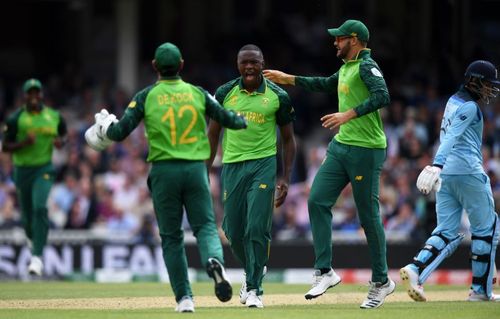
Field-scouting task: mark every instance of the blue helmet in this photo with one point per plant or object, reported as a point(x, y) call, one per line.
point(481, 77)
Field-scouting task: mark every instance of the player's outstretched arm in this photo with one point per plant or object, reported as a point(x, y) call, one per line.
point(224, 117)
point(279, 77)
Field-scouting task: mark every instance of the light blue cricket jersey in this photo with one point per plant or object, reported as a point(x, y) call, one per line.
point(461, 136)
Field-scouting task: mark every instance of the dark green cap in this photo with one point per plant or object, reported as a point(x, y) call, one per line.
point(32, 84)
point(168, 57)
point(352, 28)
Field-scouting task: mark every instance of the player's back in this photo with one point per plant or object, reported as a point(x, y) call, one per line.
point(174, 117)
point(465, 156)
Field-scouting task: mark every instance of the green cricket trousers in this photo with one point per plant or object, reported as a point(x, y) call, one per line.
point(175, 184)
point(248, 197)
point(361, 167)
point(33, 184)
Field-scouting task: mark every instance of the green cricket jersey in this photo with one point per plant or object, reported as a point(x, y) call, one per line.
point(174, 117)
point(264, 108)
point(360, 86)
point(46, 125)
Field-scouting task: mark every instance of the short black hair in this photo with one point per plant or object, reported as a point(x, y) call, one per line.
point(169, 71)
point(251, 47)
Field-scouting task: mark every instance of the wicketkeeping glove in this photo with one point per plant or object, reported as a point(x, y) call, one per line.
point(103, 120)
point(96, 134)
point(429, 180)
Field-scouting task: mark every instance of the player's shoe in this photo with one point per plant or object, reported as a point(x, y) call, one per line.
point(253, 300)
point(223, 289)
point(243, 289)
point(410, 280)
point(36, 266)
point(321, 283)
point(186, 304)
point(377, 294)
point(474, 296)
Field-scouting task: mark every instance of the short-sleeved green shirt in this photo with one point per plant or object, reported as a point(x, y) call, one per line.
point(46, 125)
point(264, 108)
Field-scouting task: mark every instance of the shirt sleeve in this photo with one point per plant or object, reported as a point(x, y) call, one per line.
point(131, 118)
point(375, 83)
point(62, 129)
point(226, 118)
point(318, 83)
point(285, 113)
point(463, 118)
point(10, 127)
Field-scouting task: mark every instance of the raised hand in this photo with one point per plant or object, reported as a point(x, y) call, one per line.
point(279, 77)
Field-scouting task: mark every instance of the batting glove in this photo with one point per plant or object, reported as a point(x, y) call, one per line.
point(429, 180)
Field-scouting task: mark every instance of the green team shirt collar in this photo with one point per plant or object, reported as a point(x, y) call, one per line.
point(362, 54)
point(260, 90)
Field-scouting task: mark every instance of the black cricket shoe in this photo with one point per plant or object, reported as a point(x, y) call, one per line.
point(223, 289)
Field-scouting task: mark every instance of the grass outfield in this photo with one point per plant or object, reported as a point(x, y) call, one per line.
point(155, 300)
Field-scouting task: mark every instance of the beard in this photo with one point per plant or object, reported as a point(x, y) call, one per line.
point(342, 52)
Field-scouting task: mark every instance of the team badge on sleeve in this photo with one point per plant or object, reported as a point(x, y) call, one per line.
point(376, 72)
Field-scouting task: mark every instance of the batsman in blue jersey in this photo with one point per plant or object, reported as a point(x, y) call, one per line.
point(458, 177)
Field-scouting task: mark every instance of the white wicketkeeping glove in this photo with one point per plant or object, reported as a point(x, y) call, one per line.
point(103, 120)
point(429, 180)
point(96, 134)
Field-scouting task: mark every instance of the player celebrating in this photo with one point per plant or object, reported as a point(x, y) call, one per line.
point(174, 116)
point(458, 177)
point(249, 171)
point(355, 155)
point(30, 134)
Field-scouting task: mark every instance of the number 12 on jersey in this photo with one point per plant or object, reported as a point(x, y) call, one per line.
point(171, 117)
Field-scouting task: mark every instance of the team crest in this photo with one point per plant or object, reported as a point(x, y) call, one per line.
point(233, 100)
point(265, 101)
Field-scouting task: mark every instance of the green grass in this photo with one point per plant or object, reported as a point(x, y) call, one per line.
point(390, 310)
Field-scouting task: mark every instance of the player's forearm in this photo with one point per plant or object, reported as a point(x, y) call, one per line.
point(317, 83)
point(222, 116)
point(119, 131)
point(443, 150)
point(289, 150)
point(213, 138)
point(376, 101)
point(14, 146)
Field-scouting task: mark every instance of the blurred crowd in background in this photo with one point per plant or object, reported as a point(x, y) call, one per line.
point(108, 192)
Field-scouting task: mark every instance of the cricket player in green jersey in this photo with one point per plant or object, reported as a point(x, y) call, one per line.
point(355, 155)
point(249, 170)
point(30, 134)
point(174, 116)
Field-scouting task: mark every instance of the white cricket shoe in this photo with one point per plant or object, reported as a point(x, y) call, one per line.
point(474, 296)
point(377, 294)
point(36, 266)
point(186, 304)
point(410, 280)
point(321, 283)
point(243, 289)
point(254, 301)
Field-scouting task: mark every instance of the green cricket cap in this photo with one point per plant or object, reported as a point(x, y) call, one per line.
point(168, 57)
point(32, 84)
point(352, 28)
